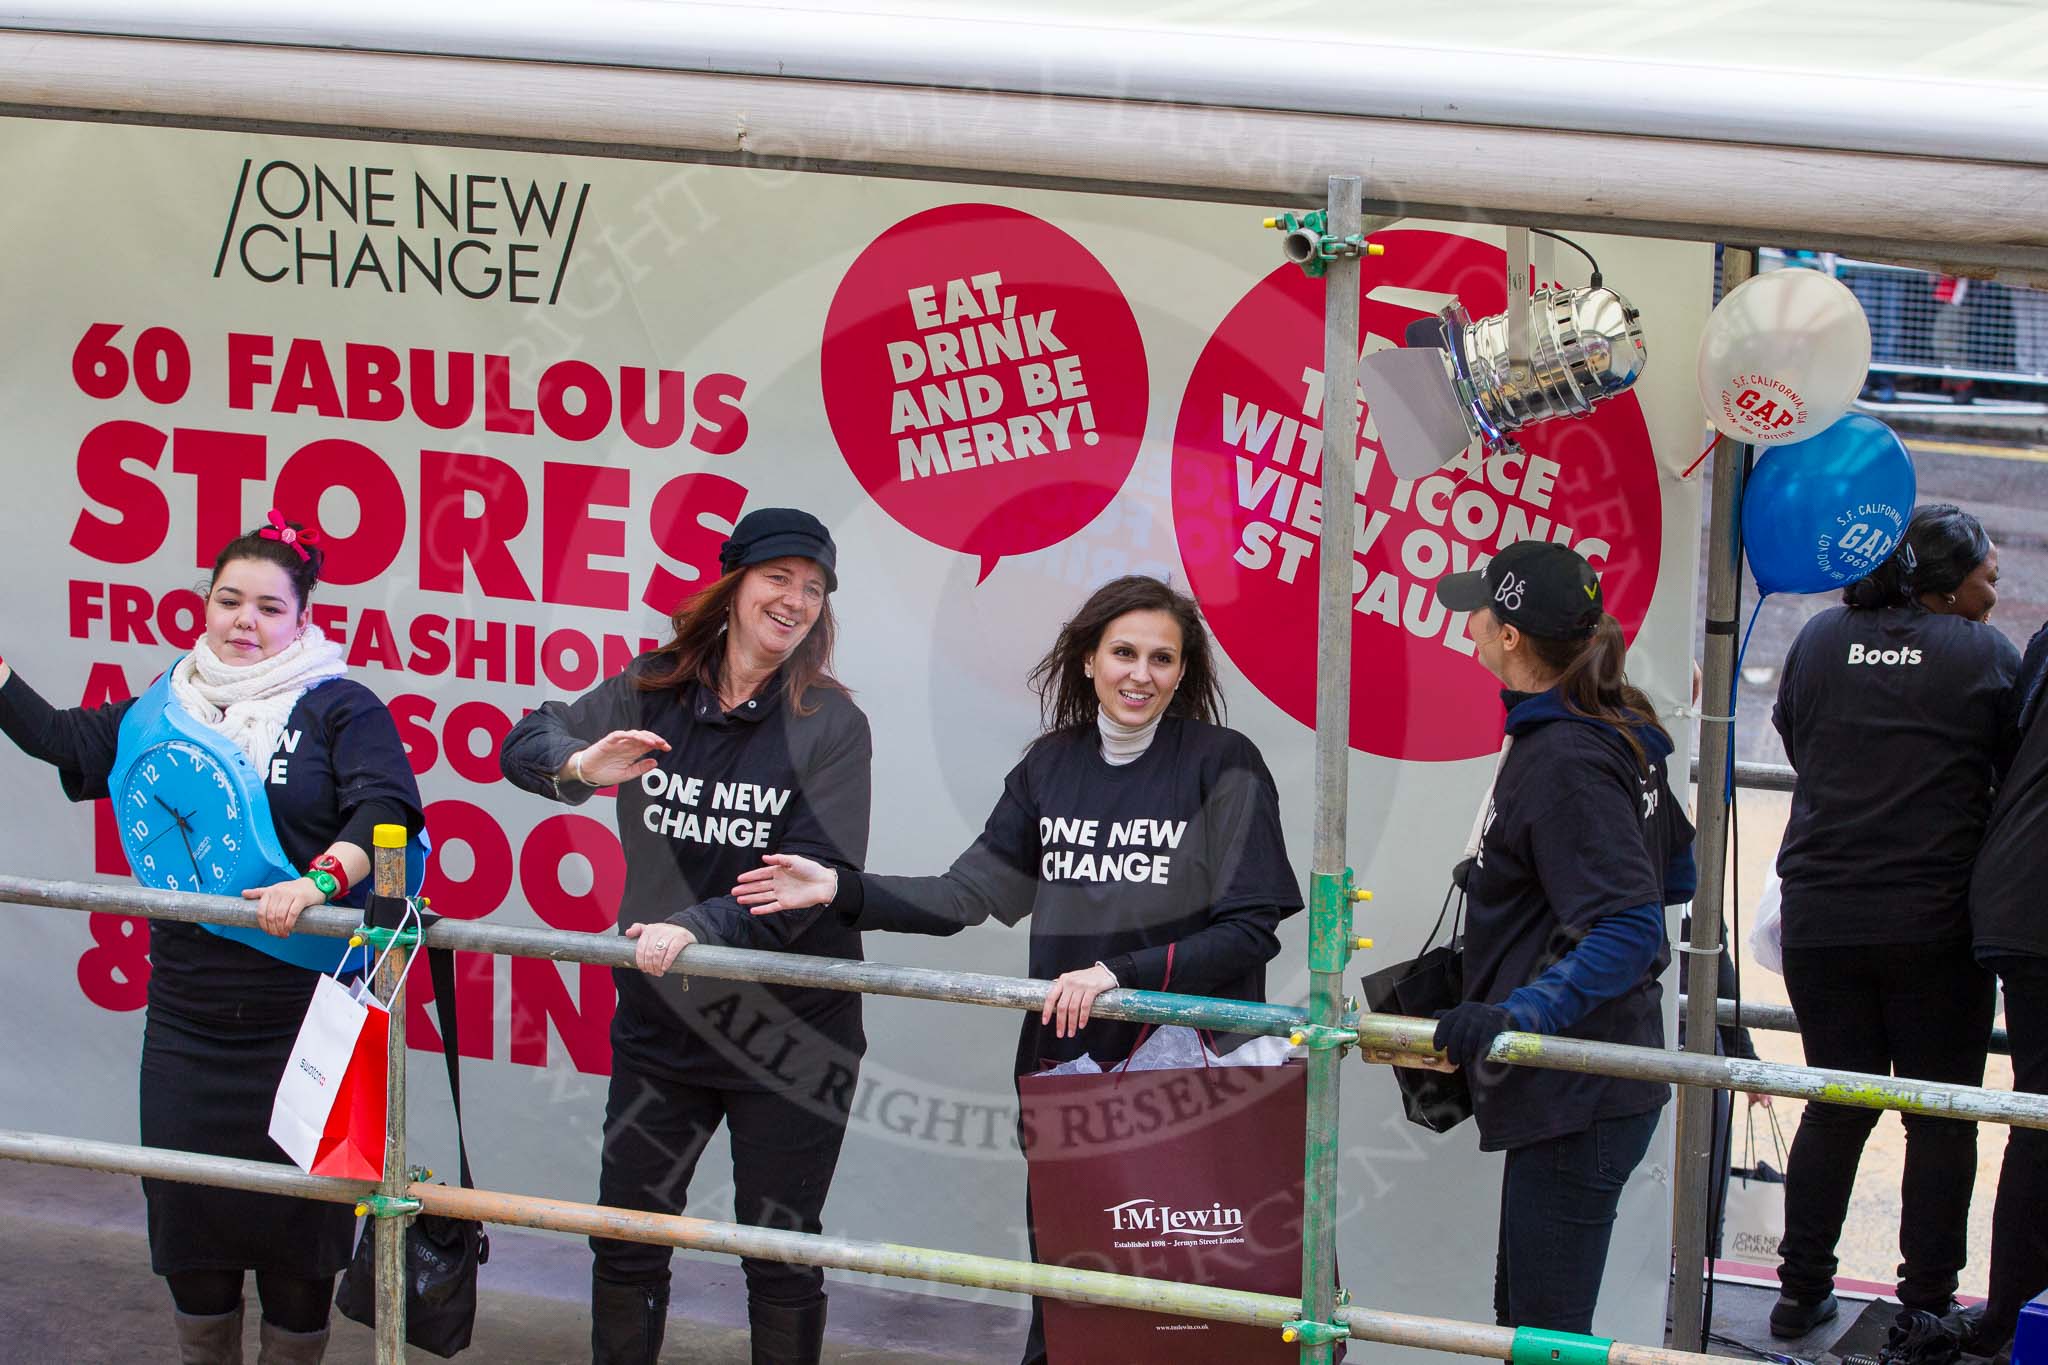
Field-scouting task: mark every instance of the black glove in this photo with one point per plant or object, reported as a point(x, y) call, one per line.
point(1464, 1034)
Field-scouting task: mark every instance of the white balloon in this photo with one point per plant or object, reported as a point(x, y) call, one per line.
point(1783, 357)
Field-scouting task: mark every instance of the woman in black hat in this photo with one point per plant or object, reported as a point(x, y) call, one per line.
point(1893, 710)
point(730, 741)
point(1579, 849)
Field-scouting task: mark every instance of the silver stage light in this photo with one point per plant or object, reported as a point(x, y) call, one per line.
point(1457, 381)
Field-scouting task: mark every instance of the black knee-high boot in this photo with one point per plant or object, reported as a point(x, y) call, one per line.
point(785, 1335)
point(626, 1322)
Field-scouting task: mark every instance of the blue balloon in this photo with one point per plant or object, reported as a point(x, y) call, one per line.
point(1824, 512)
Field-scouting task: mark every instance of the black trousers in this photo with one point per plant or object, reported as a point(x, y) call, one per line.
point(784, 1148)
point(1912, 1010)
point(2019, 1223)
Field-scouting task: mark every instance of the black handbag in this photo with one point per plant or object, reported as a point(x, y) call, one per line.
point(441, 1254)
point(1431, 981)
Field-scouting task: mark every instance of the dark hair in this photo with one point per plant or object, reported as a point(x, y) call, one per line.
point(696, 652)
point(302, 569)
point(1592, 681)
point(1066, 695)
point(1942, 546)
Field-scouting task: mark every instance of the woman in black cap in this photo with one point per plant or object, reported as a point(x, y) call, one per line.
point(1578, 850)
point(1893, 711)
point(730, 741)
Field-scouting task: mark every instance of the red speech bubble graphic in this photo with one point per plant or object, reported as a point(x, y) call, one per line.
point(1247, 506)
point(985, 380)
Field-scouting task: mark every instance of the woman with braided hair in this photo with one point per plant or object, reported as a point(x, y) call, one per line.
point(1893, 709)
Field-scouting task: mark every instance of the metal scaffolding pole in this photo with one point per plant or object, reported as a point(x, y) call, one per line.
point(1329, 933)
point(1385, 1038)
point(840, 1253)
point(1703, 954)
point(388, 870)
point(703, 960)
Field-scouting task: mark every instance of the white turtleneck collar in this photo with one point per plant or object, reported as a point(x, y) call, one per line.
point(1122, 743)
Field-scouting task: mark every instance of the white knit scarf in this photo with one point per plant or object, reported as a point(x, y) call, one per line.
point(250, 704)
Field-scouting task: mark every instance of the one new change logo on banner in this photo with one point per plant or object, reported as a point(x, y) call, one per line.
point(1249, 515)
point(379, 352)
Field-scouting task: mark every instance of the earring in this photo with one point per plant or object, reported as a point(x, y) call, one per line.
point(1951, 599)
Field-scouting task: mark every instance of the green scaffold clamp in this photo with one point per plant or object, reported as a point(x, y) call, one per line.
point(1538, 1346)
point(1309, 244)
point(1330, 940)
point(1308, 1332)
point(386, 1206)
point(382, 939)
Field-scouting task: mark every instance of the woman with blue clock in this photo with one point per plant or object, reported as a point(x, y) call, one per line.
point(252, 757)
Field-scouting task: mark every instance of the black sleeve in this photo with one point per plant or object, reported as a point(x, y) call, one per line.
point(1590, 853)
point(997, 878)
point(373, 781)
point(828, 823)
point(80, 742)
point(1256, 888)
point(360, 828)
point(2023, 701)
point(542, 741)
point(1784, 713)
point(2022, 696)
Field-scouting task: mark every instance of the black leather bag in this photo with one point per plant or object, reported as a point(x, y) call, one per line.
point(1431, 981)
point(441, 1254)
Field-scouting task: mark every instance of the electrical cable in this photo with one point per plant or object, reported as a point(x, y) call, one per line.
point(1777, 1357)
point(1560, 237)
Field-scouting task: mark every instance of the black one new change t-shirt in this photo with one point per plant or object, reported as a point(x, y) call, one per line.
point(1894, 719)
point(1179, 848)
point(732, 787)
point(1578, 830)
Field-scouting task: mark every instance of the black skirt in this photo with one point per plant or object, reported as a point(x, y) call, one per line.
point(206, 1089)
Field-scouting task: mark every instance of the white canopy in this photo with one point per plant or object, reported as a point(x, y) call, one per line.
point(1893, 128)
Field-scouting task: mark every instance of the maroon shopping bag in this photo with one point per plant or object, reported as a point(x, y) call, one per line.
point(1188, 1174)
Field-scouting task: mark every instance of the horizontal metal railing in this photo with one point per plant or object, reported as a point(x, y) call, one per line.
point(1523, 1346)
point(839, 1253)
point(1380, 1037)
point(1781, 1019)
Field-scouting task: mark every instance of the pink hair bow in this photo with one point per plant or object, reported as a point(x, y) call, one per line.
point(280, 530)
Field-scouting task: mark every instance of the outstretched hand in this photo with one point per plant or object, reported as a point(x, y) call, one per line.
point(619, 757)
point(786, 881)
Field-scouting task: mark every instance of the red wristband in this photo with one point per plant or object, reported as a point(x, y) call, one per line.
point(331, 865)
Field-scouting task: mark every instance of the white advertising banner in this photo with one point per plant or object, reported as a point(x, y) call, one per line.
point(523, 398)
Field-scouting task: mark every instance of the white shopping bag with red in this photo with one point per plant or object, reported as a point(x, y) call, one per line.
point(330, 1107)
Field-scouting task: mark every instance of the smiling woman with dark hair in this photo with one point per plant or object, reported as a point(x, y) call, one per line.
point(1188, 898)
